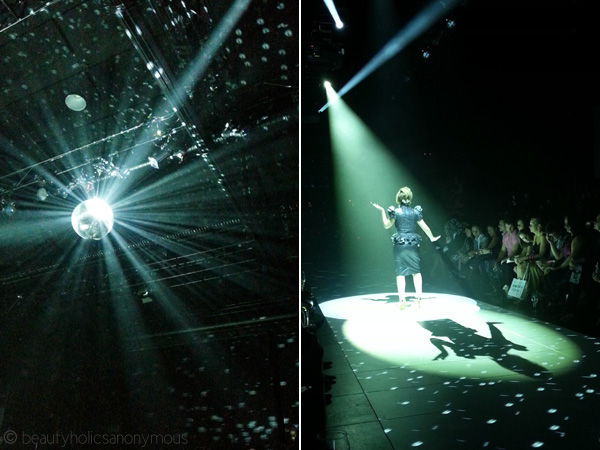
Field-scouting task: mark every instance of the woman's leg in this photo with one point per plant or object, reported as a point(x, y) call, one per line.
point(401, 284)
point(418, 281)
point(520, 269)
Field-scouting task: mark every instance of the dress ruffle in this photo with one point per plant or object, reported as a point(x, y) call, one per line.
point(406, 239)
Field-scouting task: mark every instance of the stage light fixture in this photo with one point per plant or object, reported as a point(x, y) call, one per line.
point(92, 219)
point(334, 14)
point(158, 158)
point(75, 102)
point(146, 298)
point(421, 22)
point(42, 194)
point(144, 294)
point(9, 208)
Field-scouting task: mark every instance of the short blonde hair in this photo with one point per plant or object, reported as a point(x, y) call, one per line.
point(404, 196)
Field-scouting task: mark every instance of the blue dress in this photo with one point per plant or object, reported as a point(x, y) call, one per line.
point(406, 240)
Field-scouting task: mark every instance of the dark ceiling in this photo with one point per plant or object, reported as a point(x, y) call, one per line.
point(485, 81)
point(206, 242)
point(468, 37)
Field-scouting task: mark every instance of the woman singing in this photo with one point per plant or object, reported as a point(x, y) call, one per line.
point(406, 241)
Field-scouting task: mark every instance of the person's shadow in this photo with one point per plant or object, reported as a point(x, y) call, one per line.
point(394, 298)
point(466, 343)
point(390, 298)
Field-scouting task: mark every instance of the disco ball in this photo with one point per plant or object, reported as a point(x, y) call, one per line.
point(92, 219)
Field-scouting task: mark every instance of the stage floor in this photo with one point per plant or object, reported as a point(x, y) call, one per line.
point(455, 373)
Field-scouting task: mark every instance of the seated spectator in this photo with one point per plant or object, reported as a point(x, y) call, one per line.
point(580, 303)
point(521, 229)
point(480, 240)
point(594, 286)
point(465, 239)
point(554, 285)
point(480, 264)
point(527, 264)
point(504, 263)
point(525, 245)
point(454, 238)
point(538, 249)
point(559, 242)
point(453, 232)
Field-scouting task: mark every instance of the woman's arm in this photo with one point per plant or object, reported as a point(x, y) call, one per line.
point(501, 256)
point(552, 243)
point(576, 250)
point(427, 231)
point(491, 245)
point(543, 249)
point(387, 222)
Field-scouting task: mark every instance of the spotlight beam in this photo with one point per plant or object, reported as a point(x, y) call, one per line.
point(334, 14)
point(411, 31)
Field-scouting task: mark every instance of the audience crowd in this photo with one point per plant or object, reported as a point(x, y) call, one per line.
point(556, 251)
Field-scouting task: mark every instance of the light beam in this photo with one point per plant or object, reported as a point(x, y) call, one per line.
point(334, 14)
point(410, 32)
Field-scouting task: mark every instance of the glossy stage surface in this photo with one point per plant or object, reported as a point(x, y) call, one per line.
point(454, 373)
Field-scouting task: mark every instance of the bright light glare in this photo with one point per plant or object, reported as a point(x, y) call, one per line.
point(451, 335)
point(333, 11)
point(331, 94)
point(410, 32)
point(92, 219)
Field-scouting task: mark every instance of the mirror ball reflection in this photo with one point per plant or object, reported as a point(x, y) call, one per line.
point(92, 219)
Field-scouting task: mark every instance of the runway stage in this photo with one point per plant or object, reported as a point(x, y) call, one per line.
point(456, 373)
